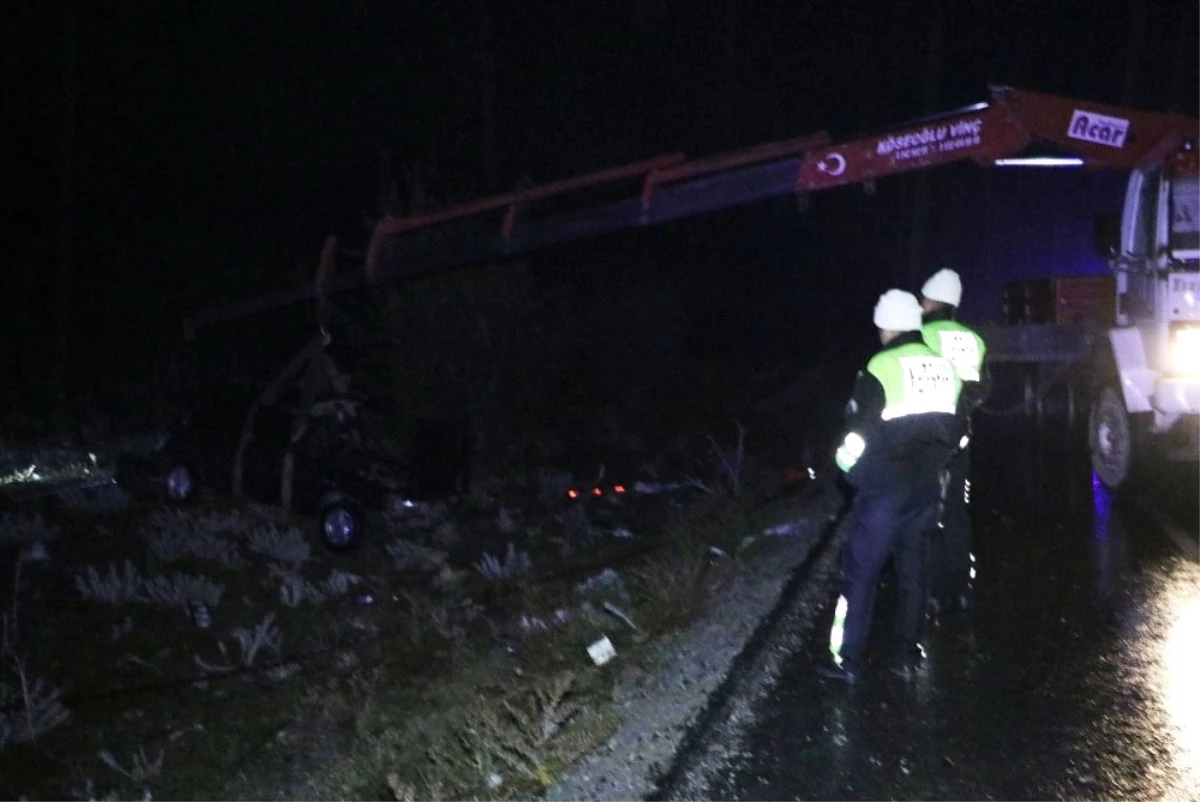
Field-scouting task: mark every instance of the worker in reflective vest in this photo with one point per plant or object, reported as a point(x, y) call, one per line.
point(902, 428)
point(952, 559)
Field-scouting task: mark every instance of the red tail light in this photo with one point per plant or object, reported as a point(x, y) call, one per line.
point(572, 494)
point(596, 491)
point(619, 488)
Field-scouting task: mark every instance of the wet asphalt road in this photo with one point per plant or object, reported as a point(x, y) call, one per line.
point(1076, 676)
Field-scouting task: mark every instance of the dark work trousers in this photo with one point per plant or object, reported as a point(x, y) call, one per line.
point(951, 557)
point(883, 523)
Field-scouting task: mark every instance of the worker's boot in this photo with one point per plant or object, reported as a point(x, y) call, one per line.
point(845, 671)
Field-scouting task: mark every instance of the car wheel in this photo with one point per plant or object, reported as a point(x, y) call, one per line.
point(341, 527)
point(179, 484)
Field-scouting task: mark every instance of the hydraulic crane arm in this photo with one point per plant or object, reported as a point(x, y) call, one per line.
point(1012, 124)
point(1093, 135)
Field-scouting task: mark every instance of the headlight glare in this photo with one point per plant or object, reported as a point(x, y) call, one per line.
point(1185, 350)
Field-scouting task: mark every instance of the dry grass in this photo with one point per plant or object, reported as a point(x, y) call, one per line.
point(432, 691)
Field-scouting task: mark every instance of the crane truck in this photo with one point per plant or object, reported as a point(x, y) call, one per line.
point(1143, 368)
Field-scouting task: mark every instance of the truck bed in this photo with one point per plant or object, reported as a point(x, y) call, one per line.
point(1040, 342)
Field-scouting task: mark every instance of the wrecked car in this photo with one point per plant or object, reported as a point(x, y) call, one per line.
point(325, 459)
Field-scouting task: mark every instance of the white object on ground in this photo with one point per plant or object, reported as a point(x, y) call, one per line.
point(602, 651)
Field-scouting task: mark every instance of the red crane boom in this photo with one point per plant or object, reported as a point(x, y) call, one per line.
point(1013, 124)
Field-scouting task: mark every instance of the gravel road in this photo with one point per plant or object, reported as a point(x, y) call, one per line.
point(662, 700)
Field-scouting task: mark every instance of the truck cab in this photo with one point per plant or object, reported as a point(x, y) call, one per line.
point(1146, 394)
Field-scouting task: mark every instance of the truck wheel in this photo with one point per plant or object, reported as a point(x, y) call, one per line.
point(341, 527)
point(1113, 439)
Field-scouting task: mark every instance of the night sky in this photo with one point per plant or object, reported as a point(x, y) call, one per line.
point(214, 144)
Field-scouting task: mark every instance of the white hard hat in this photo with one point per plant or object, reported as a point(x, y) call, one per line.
point(944, 286)
point(898, 310)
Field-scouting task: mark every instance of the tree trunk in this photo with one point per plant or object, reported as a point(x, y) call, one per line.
point(389, 193)
point(66, 209)
point(1185, 29)
point(731, 71)
point(487, 95)
point(1137, 37)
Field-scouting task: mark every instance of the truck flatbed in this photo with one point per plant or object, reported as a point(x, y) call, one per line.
point(1040, 343)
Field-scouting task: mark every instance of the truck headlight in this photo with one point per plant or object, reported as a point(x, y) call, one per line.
point(1185, 349)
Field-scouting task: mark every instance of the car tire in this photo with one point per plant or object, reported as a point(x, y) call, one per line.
point(179, 483)
point(342, 526)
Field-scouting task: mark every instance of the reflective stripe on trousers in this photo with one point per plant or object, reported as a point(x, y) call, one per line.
point(838, 630)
